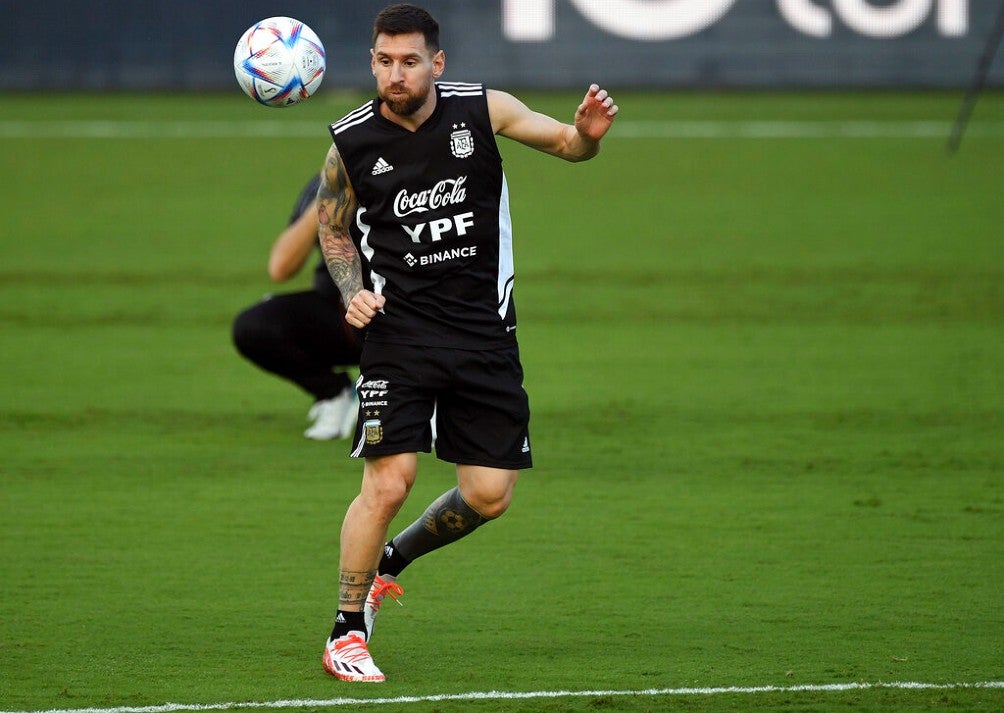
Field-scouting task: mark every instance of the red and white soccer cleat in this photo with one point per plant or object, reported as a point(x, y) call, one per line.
point(348, 658)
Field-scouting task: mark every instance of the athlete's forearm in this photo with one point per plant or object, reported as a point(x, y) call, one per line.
point(577, 147)
point(335, 207)
point(573, 142)
point(342, 259)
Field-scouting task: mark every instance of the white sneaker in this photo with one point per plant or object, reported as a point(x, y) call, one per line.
point(333, 418)
point(348, 658)
point(383, 586)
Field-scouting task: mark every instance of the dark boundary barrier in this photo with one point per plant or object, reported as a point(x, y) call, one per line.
point(188, 44)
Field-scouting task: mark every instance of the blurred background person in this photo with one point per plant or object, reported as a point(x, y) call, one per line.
point(303, 336)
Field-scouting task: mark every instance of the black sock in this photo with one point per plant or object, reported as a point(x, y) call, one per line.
point(392, 562)
point(347, 621)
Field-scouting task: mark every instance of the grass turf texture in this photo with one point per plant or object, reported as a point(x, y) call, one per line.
point(768, 423)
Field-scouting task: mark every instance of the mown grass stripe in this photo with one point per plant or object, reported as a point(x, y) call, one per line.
point(624, 129)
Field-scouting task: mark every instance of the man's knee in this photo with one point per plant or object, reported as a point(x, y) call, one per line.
point(489, 491)
point(387, 480)
point(250, 332)
point(491, 506)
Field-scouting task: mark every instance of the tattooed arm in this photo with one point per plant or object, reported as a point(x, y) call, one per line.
point(336, 207)
point(336, 204)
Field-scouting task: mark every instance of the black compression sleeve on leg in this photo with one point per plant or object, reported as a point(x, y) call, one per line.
point(447, 520)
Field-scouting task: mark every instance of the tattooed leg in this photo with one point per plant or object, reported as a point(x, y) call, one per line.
point(353, 588)
point(448, 519)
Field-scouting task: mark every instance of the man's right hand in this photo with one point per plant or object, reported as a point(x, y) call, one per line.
point(363, 308)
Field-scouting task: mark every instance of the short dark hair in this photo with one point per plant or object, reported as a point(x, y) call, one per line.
point(403, 19)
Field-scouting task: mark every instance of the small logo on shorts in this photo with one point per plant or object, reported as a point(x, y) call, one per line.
point(373, 430)
point(373, 389)
point(526, 445)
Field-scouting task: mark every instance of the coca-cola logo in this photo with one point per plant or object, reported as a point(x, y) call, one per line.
point(449, 191)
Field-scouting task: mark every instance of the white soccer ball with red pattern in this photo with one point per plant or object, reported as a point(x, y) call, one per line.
point(279, 61)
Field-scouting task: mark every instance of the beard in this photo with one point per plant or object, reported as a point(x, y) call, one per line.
point(409, 103)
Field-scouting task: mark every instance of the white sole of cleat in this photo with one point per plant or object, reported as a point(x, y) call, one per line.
point(350, 673)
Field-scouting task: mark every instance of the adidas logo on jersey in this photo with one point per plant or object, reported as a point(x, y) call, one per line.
point(381, 166)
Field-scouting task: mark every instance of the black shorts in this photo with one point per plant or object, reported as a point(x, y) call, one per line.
point(482, 411)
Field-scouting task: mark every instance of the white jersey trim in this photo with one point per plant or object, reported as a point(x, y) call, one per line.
point(377, 279)
point(354, 117)
point(507, 272)
point(357, 451)
point(459, 89)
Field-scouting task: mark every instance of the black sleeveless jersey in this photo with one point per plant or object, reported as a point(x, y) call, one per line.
point(433, 225)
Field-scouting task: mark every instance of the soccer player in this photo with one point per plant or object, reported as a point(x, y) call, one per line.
point(303, 336)
point(413, 215)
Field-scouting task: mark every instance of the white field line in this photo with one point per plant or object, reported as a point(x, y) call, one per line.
point(624, 129)
point(710, 129)
point(525, 695)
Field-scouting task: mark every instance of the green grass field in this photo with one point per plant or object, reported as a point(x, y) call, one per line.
point(767, 377)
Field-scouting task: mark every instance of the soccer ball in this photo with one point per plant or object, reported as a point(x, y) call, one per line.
point(279, 61)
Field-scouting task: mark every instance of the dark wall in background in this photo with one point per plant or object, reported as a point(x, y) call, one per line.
point(188, 44)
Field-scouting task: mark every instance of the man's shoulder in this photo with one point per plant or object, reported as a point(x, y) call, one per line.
point(461, 98)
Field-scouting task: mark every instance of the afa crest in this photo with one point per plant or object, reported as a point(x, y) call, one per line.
point(373, 430)
point(461, 141)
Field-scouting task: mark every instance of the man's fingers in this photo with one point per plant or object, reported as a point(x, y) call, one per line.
point(601, 97)
point(363, 307)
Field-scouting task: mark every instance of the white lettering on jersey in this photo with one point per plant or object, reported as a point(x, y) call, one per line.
point(438, 229)
point(449, 191)
point(447, 255)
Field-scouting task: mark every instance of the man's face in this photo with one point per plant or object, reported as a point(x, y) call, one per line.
point(405, 70)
